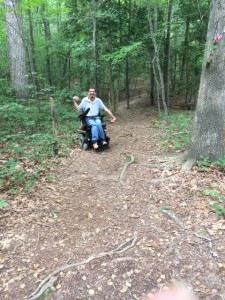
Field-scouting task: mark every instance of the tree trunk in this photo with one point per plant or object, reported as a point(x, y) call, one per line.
point(156, 60)
point(127, 81)
point(65, 73)
point(95, 50)
point(109, 49)
point(16, 49)
point(31, 47)
point(47, 46)
point(166, 74)
point(127, 60)
point(208, 129)
point(174, 66)
point(185, 54)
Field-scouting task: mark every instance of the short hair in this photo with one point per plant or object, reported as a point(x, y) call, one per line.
point(92, 88)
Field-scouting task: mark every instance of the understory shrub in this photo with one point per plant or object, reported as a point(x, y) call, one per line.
point(27, 145)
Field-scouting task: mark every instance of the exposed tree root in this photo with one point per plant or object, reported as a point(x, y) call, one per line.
point(122, 174)
point(172, 216)
point(47, 285)
point(51, 278)
point(202, 237)
point(159, 180)
point(188, 165)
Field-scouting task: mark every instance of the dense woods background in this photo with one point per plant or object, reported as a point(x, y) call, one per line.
point(72, 44)
point(60, 48)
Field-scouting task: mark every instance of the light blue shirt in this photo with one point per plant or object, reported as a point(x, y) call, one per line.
point(95, 106)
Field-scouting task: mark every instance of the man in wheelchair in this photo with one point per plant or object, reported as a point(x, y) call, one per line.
point(92, 106)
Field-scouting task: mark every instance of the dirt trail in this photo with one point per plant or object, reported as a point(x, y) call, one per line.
point(87, 210)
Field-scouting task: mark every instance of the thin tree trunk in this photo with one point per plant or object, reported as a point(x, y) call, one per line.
point(156, 89)
point(152, 84)
point(47, 46)
point(167, 54)
point(156, 59)
point(31, 47)
point(95, 50)
point(127, 61)
point(185, 53)
point(65, 69)
point(127, 82)
point(174, 64)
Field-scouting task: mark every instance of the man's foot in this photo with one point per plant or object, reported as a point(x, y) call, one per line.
point(104, 143)
point(95, 146)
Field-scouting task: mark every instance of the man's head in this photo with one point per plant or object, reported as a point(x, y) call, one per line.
point(91, 93)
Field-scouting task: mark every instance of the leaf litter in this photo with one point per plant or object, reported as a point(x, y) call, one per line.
point(86, 211)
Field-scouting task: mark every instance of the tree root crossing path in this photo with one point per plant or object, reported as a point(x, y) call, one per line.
point(114, 224)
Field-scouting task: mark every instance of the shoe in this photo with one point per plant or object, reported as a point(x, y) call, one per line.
point(95, 146)
point(104, 143)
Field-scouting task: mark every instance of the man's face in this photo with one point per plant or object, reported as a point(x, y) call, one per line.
point(92, 94)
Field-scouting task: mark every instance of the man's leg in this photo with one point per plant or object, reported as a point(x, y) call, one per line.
point(94, 131)
point(101, 133)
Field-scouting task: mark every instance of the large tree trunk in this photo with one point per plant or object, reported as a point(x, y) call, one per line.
point(208, 128)
point(16, 49)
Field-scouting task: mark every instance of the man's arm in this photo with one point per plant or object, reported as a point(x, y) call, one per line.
point(111, 115)
point(75, 99)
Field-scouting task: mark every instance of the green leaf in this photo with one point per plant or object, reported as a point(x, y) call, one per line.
point(3, 203)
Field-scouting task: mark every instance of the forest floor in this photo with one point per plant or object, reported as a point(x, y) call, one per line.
point(100, 200)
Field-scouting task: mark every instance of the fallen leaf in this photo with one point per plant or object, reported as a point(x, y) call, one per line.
point(91, 292)
point(124, 289)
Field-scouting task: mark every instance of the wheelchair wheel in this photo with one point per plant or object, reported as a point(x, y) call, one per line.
point(81, 141)
point(85, 146)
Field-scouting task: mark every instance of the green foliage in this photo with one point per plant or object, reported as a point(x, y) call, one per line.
point(219, 210)
point(5, 89)
point(13, 177)
point(3, 204)
point(204, 163)
point(123, 52)
point(178, 130)
point(26, 143)
point(216, 192)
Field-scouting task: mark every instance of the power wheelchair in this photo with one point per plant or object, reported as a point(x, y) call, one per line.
point(85, 140)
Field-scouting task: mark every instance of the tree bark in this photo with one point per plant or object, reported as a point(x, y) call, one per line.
point(156, 60)
point(174, 66)
point(47, 46)
point(16, 49)
point(95, 49)
point(31, 47)
point(166, 75)
point(185, 54)
point(127, 60)
point(208, 128)
point(127, 81)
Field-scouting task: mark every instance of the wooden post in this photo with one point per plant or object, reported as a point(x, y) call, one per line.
point(53, 113)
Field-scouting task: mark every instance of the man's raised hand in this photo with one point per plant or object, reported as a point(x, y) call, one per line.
point(76, 98)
